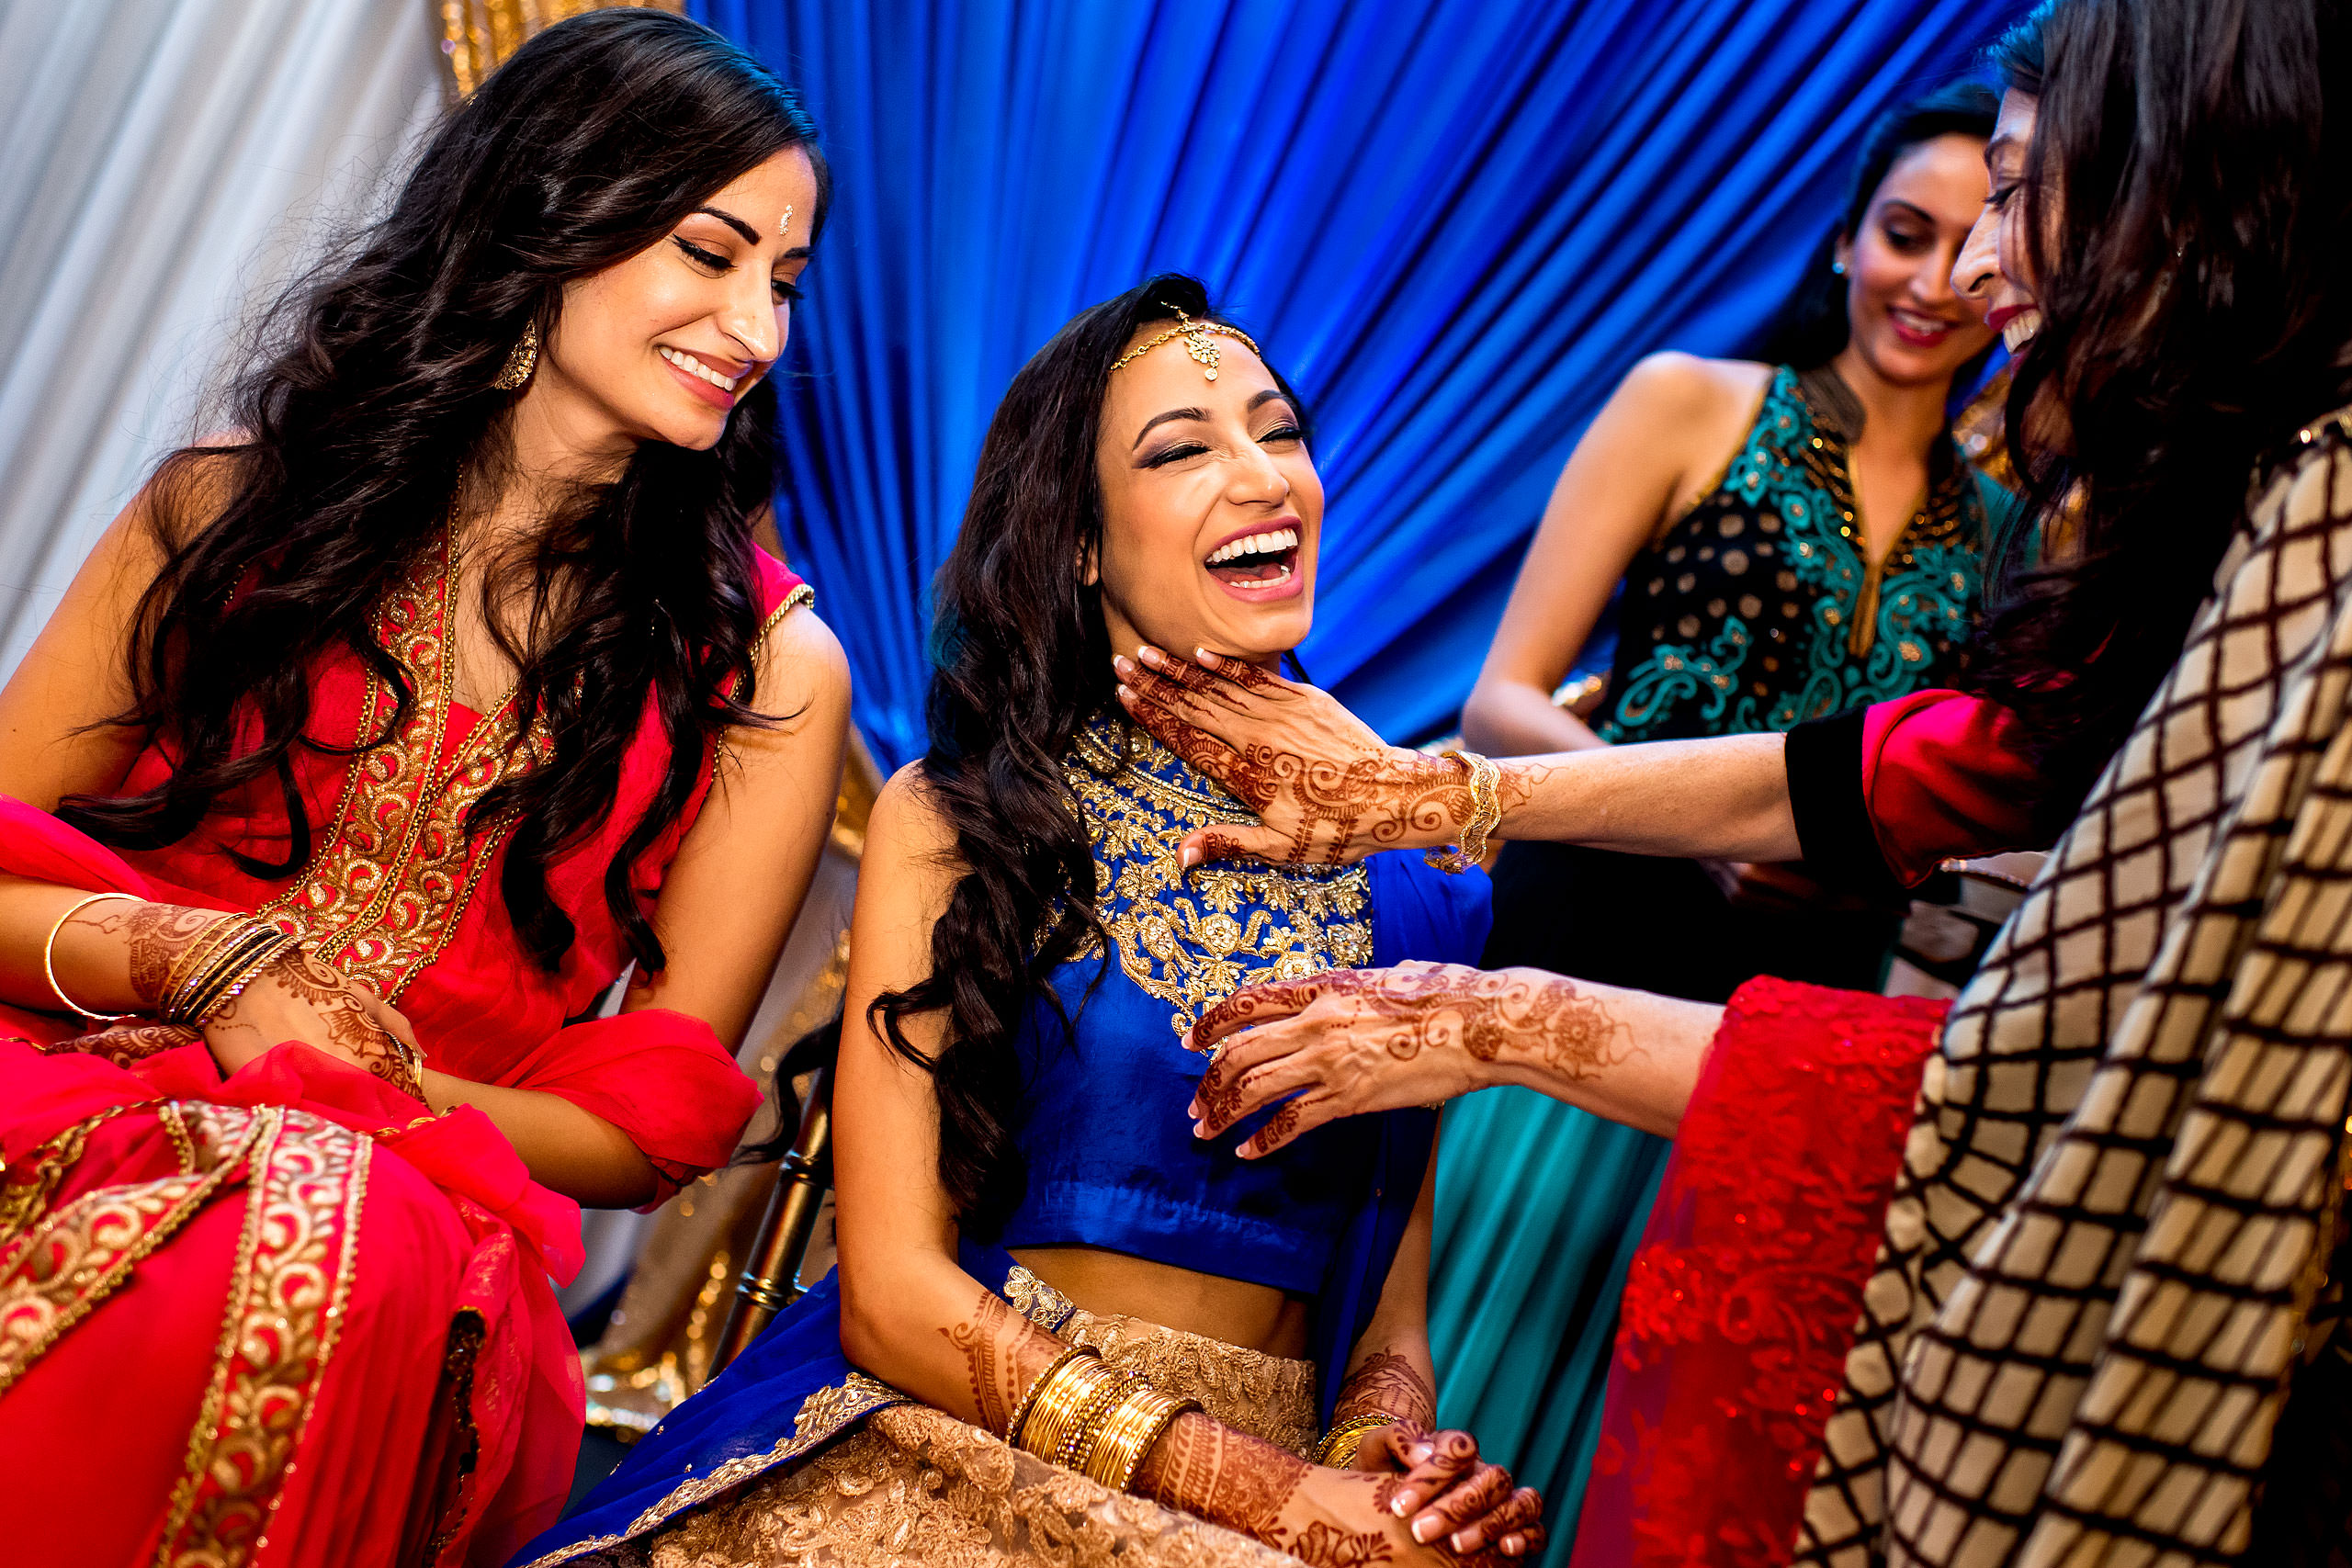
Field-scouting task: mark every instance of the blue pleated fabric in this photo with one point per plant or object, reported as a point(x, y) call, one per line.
point(1454, 224)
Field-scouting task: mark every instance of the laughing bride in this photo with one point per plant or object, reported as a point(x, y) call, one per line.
point(1062, 1328)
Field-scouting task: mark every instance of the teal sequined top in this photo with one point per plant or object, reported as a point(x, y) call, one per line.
point(1758, 608)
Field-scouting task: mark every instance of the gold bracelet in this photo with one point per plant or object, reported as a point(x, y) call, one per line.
point(1012, 1432)
point(200, 986)
point(1128, 1433)
point(1486, 813)
point(1337, 1449)
point(49, 959)
point(256, 960)
point(231, 967)
point(1078, 1443)
point(411, 1081)
point(1055, 1411)
point(193, 959)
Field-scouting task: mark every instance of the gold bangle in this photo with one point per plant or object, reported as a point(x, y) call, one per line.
point(1078, 1443)
point(193, 959)
point(254, 959)
point(49, 959)
point(1337, 1448)
point(1057, 1409)
point(1128, 1433)
point(1012, 1432)
point(1486, 814)
point(199, 988)
point(231, 967)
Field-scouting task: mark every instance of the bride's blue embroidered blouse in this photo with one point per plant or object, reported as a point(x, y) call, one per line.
point(1111, 1160)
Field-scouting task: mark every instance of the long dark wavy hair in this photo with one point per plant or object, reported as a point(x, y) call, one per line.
point(1022, 662)
point(1811, 326)
point(2188, 199)
point(370, 397)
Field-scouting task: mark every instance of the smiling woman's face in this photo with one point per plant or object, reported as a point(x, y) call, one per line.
point(663, 345)
point(1212, 509)
point(1908, 326)
point(1995, 269)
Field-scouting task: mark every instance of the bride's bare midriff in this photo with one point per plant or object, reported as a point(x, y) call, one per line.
point(1234, 1311)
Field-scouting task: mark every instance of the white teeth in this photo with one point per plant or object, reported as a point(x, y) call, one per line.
point(1257, 545)
point(693, 367)
point(2020, 328)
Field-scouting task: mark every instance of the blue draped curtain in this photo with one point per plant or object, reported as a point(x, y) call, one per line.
point(1453, 223)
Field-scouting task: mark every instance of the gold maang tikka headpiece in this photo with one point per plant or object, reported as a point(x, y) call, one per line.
point(1197, 342)
point(785, 224)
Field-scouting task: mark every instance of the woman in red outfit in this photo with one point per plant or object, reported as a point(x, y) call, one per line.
point(2055, 1276)
point(373, 743)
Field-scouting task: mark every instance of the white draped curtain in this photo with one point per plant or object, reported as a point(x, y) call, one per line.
point(165, 167)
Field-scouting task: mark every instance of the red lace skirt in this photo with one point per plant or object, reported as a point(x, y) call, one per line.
point(1745, 1296)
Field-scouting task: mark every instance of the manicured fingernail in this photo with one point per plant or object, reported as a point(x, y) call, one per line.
point(1200, 1129)
point(1205, 657)
point(1425, 1530)
point(1459, 1540)
point(1513, 1545)
point(1126, 695)
point(1188, 856)
point(1151, 655)
point(1194, 1110)
point(1123, 664)
point(1403, 1505)
point(1422, 1453)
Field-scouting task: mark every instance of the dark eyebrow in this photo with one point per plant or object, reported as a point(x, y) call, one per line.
point(1202, 414)
point(751, 235)
point(1914, 210)
point(1271, 395)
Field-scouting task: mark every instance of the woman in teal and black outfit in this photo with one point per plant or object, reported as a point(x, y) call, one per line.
point(1795, 537)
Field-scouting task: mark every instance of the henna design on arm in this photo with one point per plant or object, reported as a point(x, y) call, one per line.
point(1224, 1476)
point(999, 1364)
point(1386, 1384)
point(155, 937)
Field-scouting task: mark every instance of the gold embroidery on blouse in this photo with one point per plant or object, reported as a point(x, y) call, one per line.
point(1036, 1299)
point(289, 1286)
point(386, 893)
point(1192, 939)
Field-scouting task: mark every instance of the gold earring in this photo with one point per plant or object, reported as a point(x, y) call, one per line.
point(521, 360)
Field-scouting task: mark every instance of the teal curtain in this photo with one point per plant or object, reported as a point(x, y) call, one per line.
point(1523, 1298)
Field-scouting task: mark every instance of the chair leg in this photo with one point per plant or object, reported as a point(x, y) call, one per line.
point(771, 1277)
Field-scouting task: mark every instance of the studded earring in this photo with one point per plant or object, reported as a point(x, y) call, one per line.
point(1838, 267)
point(521, 360)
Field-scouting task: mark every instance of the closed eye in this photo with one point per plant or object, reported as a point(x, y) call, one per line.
point(788, 290)
point(1176, 454)
point(711, 260)
point(1282, 433)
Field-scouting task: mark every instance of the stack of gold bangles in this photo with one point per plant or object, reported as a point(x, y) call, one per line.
point(1486, 811)
point(1083, 1416)
point(213, 970)
point(1339, 1446)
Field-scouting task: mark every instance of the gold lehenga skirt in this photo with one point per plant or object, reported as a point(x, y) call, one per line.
point(913, 1486)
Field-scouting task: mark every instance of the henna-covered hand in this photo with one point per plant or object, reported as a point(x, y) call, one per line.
point(1323, 1516)
point(302, 997)
point(1354, 1040)
point(1326, 788)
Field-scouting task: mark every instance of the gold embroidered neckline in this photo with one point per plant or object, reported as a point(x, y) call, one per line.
point(387, 891)
point(1191, 939)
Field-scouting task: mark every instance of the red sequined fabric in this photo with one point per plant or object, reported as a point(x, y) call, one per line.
point(1744, 1295)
